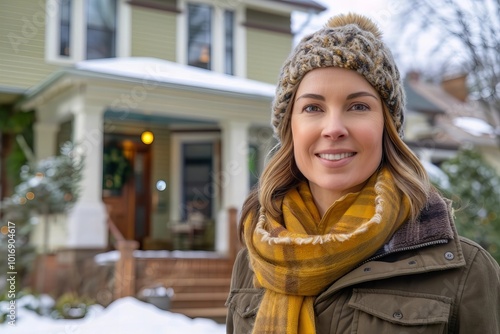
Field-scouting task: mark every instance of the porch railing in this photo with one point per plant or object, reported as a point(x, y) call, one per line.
point(125, 267)
point(124, 275)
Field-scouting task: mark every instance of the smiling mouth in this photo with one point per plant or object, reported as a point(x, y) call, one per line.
point(335, 157)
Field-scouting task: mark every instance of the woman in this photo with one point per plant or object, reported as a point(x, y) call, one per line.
point(344, 233)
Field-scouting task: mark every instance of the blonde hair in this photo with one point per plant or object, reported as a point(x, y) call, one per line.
point(282, 174)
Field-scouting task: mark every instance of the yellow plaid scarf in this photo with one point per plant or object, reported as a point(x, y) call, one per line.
point(295, 263)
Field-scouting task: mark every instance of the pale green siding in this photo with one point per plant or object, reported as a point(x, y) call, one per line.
point(269, 20)
point(266, 52)
point(22, 43)
point(153, 33)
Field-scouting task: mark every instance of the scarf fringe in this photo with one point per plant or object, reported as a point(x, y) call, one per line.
point(321, 239)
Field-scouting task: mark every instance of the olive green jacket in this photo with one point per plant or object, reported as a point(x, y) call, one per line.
point(426, 279)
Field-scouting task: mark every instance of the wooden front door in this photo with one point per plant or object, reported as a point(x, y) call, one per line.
point(129, 207)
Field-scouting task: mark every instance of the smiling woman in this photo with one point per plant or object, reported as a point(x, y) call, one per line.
point(344, 233)
point(337, 126)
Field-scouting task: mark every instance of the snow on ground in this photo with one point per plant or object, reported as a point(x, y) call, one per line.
point(125, 316)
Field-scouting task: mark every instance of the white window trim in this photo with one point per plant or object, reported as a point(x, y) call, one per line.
point(217, 29)
point(177, 140)
point(78, 32)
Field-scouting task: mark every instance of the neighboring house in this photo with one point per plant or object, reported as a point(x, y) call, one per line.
point(199, 75)
point(442, 119)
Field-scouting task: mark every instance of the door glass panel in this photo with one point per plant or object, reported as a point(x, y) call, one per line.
point(197, 179)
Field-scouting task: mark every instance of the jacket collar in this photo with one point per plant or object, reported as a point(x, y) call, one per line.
point(433, 226)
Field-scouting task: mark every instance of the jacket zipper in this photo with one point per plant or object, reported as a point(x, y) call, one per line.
point(404, 249)
point(408, 248)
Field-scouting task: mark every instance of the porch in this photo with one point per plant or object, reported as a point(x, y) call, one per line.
point(199, 280)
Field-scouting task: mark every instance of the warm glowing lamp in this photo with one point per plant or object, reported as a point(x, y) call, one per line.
point(147, 137)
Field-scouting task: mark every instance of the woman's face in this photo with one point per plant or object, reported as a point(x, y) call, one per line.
point(337, 127)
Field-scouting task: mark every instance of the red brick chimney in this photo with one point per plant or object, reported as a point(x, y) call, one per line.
point(456, 86)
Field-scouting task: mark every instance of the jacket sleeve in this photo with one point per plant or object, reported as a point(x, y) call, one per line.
point(479, 298)
point(236, 283)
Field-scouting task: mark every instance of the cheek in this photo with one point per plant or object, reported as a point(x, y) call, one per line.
point(373, 140)
point(300, 141)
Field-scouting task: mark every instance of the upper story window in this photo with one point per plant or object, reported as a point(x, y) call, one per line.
point(199, 35)
point(210, 37)
point(101, 29)
point(82, 29)
point(64, 28)
point(229, 42)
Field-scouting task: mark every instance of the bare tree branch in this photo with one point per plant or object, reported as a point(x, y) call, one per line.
point(467, 32)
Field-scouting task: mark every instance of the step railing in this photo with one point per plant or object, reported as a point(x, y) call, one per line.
point(125, 268)
point(124, 275)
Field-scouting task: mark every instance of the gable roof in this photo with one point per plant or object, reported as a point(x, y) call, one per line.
point(461, 121)
point(416, 102)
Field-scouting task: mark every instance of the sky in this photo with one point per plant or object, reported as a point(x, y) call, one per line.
point(383, 13)
point(378, 10)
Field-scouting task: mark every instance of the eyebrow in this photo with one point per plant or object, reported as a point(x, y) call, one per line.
point(311, 96)
point(358, 94)
point(349, 97)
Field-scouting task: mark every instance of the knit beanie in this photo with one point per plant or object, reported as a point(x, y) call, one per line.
point(349, 41)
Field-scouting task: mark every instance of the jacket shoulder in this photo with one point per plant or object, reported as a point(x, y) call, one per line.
point(242, 276)
point(475, 254)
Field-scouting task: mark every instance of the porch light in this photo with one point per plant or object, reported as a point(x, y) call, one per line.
point(147, 137)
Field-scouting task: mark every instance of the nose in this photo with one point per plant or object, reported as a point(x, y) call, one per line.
point(335, 126)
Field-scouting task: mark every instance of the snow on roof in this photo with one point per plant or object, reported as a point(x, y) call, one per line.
point(155, 70)
point(475, 126)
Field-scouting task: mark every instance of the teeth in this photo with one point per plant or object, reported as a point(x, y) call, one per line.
point(335, 156)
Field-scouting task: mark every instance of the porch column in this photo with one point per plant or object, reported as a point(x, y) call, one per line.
point(45, 141)
point(87, 219)
point(234, 176)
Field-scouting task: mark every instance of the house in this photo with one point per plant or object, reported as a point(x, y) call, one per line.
point(441, 119)
point(167, 100)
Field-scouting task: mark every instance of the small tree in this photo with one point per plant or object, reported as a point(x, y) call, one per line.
point(48, 187)
point(475, 190)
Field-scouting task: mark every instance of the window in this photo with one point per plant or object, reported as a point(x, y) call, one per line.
point(195, 175)
point(65, 28)
point(229, 41)
point(101, 29)
point(85, 29)
point(197, 181)
point(209, 38)
point(199, 36)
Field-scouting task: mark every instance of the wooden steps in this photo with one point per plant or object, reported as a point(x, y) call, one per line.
point(198, 299)
point(217, 314)
point(201, 298)
point(201, 286)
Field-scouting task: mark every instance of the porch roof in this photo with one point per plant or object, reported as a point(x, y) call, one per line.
point(153, 71)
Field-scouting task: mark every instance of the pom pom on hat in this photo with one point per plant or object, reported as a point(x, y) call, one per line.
point(349, 41)
point(361, 21)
